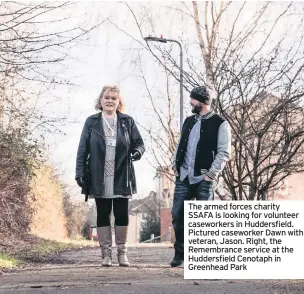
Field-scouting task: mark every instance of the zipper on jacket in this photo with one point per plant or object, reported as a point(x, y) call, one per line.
point(99, 134)
point(127, 140)
point(128, 143)
point(213, 154)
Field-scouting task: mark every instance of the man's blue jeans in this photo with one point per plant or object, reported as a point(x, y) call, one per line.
point(184, 191)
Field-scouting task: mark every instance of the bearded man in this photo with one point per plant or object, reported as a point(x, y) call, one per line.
point(201, 155)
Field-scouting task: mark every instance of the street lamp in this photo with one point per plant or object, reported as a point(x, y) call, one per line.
point(163, 40)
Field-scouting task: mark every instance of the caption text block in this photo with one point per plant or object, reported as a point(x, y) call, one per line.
point(244, 240)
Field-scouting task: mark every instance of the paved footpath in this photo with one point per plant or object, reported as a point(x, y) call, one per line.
point(80, 272)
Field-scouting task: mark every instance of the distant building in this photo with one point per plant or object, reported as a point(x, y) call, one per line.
point(137, 210)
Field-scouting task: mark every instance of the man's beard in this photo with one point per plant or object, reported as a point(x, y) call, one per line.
point(197, 108)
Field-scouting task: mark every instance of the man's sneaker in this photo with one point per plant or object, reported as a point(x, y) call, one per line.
point(176, 261)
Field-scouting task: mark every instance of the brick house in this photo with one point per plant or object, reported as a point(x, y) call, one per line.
point(137, 210)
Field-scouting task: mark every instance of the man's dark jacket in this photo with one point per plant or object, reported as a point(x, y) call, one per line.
point(90, 160)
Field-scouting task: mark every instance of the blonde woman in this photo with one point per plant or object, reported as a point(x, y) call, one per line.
point(109, 143)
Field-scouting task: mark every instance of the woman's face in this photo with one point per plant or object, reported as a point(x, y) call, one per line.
point(110, 101)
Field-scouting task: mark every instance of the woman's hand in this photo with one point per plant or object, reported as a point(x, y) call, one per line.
point(135, 156)
point(80, 181)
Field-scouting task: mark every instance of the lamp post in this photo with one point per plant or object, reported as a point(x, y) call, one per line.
point(163, 40)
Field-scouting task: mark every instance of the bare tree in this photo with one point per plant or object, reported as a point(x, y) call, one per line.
point(161, 132)
point(269, 134)
point(253, 69)
point(35, 41)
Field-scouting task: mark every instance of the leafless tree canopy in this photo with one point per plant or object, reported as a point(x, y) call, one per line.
point(250, 56)
point(35, 39)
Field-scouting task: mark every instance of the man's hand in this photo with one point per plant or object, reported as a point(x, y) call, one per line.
point(206, 178)
point(135, 156)
point(80, 181)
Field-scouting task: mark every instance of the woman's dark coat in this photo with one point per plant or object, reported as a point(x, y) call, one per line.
point(90, 160)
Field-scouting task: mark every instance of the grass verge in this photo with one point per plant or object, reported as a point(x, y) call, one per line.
point(50, 246)
point(39, 251)
point(7, 261)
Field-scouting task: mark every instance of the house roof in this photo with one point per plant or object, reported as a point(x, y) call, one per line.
point(140, 205)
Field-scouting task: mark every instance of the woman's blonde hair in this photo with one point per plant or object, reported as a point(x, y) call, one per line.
point(105, 90)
